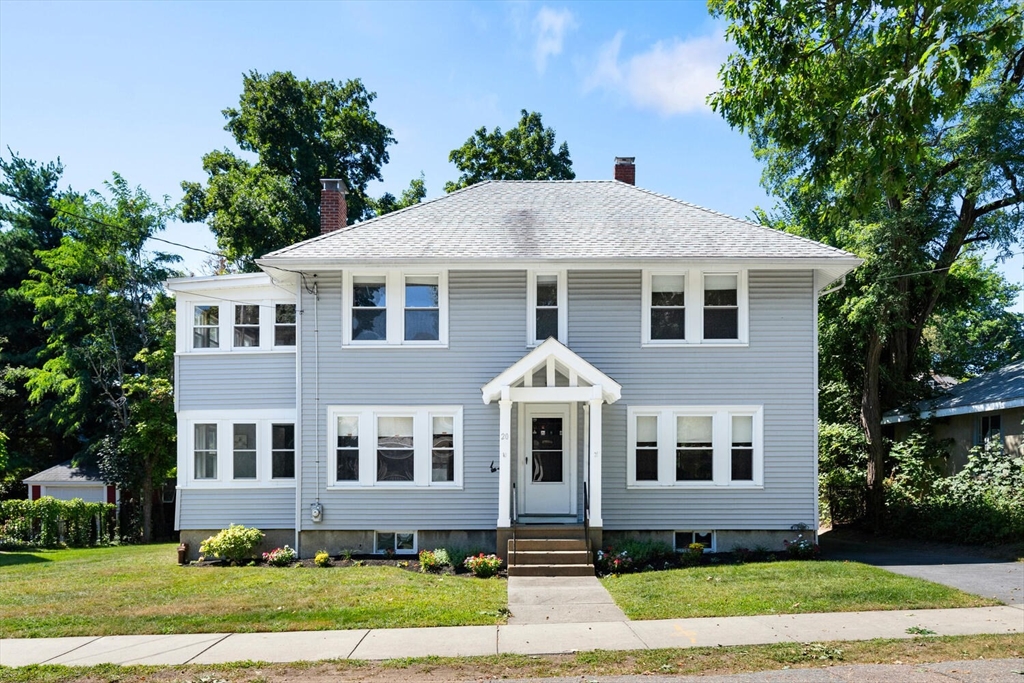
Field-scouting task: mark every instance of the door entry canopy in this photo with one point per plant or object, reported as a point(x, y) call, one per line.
point(563, 375)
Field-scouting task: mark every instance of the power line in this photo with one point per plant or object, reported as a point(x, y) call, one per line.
point(152, 237)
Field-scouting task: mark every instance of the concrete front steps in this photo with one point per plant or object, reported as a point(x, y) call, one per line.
point(549, 550)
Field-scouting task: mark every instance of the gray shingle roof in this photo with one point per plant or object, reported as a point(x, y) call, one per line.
point(65, 472)
point(1003, 387)
point(555, 220)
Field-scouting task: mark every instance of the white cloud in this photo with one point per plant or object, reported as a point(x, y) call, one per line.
point(550, 27)
point(671, 77)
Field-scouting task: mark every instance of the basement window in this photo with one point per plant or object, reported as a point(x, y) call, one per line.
point(398, 542)
point(705, 538)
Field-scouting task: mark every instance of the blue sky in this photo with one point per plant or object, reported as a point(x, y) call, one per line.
point(138, 87)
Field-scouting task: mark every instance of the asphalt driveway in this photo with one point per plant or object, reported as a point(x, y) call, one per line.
point(954, 566)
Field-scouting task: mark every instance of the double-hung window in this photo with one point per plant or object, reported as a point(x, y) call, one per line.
point(284, 324)
point(989, 431)
point(694, 307)
point(693, 446)
point(395, 308)
point(547, 307)
point(282, 453)
point(422, 309)
point(244, 451)
point(247, 325)
point(205, 451)
point(392, 446)
point(206, 327)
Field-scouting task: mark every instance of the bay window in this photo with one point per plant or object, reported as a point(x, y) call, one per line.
point(694, 446)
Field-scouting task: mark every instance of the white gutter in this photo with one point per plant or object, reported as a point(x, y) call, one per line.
point(958, 410)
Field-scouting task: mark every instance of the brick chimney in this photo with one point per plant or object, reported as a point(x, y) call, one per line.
point(333, 209)
point(625, 170)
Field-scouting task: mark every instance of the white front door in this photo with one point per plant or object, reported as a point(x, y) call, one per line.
point(548, 460)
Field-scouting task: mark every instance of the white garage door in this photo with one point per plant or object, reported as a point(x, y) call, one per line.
point(90, 494)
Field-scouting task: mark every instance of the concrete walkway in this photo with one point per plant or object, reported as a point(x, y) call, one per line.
point(529, 639)
point(560, 600)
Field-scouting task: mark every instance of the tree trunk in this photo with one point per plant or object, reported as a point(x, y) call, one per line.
point(871, 421)
point(147, 504)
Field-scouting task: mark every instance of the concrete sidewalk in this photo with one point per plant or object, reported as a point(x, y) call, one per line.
point(530, 639)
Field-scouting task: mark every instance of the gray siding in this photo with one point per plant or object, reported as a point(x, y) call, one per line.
point(776, 371)
point(236, 381)
point(266, 508)
point(487, 334)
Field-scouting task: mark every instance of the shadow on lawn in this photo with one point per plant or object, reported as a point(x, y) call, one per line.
point(10, 559)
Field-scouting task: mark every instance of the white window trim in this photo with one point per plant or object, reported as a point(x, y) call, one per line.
point(415, 542)
point(721, 446)
point(531, 306)
point(225, 421)
point(394, 280)
point(274, 324)
point(226, 326)
point(693, 284)
point(422, 446)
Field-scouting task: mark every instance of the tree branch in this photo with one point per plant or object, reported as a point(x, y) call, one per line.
point(998, 204)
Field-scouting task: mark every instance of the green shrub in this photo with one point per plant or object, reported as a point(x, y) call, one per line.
point(692, 556)
point(322, 558)
point(483, 566)
point(235, 544)
point(983, 503)
point(48, 522)
point(647, 553)
point(457, 557)
point(433, 560)
point(842, 467)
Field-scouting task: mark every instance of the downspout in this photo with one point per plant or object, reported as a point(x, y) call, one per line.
point(317, 510)
point(836, 288)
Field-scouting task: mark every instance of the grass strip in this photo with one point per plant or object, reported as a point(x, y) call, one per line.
point(689, 661)
point(777, 588)
point(140, 590)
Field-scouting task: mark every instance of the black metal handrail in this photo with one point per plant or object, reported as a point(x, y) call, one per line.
point(515, 519)
point(586, 520)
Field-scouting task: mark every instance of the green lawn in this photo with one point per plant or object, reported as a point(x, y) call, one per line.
point(140, 589)
point(777, 588)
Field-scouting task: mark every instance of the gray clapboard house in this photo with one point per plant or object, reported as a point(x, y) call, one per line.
point(512, 354)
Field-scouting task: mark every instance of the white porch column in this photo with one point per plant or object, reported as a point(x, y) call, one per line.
point(505, 460)
point(595, 459)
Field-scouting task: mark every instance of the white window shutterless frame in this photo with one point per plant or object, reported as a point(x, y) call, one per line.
point(660, 301)
point(404, 295)
point(547, 306)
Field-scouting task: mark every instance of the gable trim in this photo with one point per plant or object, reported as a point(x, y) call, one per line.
point(553, 349)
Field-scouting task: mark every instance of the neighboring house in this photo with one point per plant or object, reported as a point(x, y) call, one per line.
point(67, 482)
point(512, 353)
point(986, 408)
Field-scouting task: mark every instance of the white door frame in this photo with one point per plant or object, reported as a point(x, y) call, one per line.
point(568, 412)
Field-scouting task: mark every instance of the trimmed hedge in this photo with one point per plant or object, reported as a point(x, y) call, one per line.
point(49, 523)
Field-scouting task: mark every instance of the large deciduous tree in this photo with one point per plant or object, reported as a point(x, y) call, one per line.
point(300, 131)
point(526, 152)
point(109, 336)
point(893, 129)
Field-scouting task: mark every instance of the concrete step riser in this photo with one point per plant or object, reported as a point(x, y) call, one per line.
point(545, 557)
point(546, 544)
point(551, 570)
